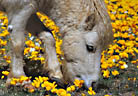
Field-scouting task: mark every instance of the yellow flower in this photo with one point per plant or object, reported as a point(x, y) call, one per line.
point(122, 62)
point(35, 53)
point(29, 34)
point(45, 78)
point(121, 42)
point(123, 55)
point(62, 92)
point(134, 79)
point(13, 82)
point(31, 90)
point(2, 77)
point(54, 90)
point(7, 57)
point(71, 88)
point(2, 43)
point(131, 37)
point(82, 94)
point(4, 33)
point(130, 43)
point(2, 51)
point(107, 95)
point(91, 92)
point(134, 62)
point(23, 78)
point(129, 78)
point(136, 50)
point(5, 73)
point(112, 17)
point(40, 79)
point(37, 85)
point(123, 66)
point(118, 34)
point(49, 86)
point(106, 73)
point(54, 29)
point(125, 35)
point(104, 65)
point(78, 83)
point(8, 61)
point(37, 48)
point(116, 57)
point(115, 72)
point(42, 59)
point(26, 51)
point(30, 43)
point(5, 22)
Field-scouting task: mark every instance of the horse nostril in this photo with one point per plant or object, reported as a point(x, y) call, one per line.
point(93, 84)
point(78, 76)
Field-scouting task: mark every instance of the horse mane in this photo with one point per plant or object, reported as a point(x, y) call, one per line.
point(106, 34)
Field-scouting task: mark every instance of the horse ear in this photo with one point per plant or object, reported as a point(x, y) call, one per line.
point(105, 27)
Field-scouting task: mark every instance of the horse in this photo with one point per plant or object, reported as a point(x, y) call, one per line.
point(85, 28)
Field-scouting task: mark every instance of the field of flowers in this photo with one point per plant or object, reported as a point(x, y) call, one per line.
point(119, 63)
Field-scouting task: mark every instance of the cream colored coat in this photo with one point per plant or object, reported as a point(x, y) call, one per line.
point(85, 28)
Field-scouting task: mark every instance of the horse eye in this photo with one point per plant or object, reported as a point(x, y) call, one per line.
point(91, 48)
